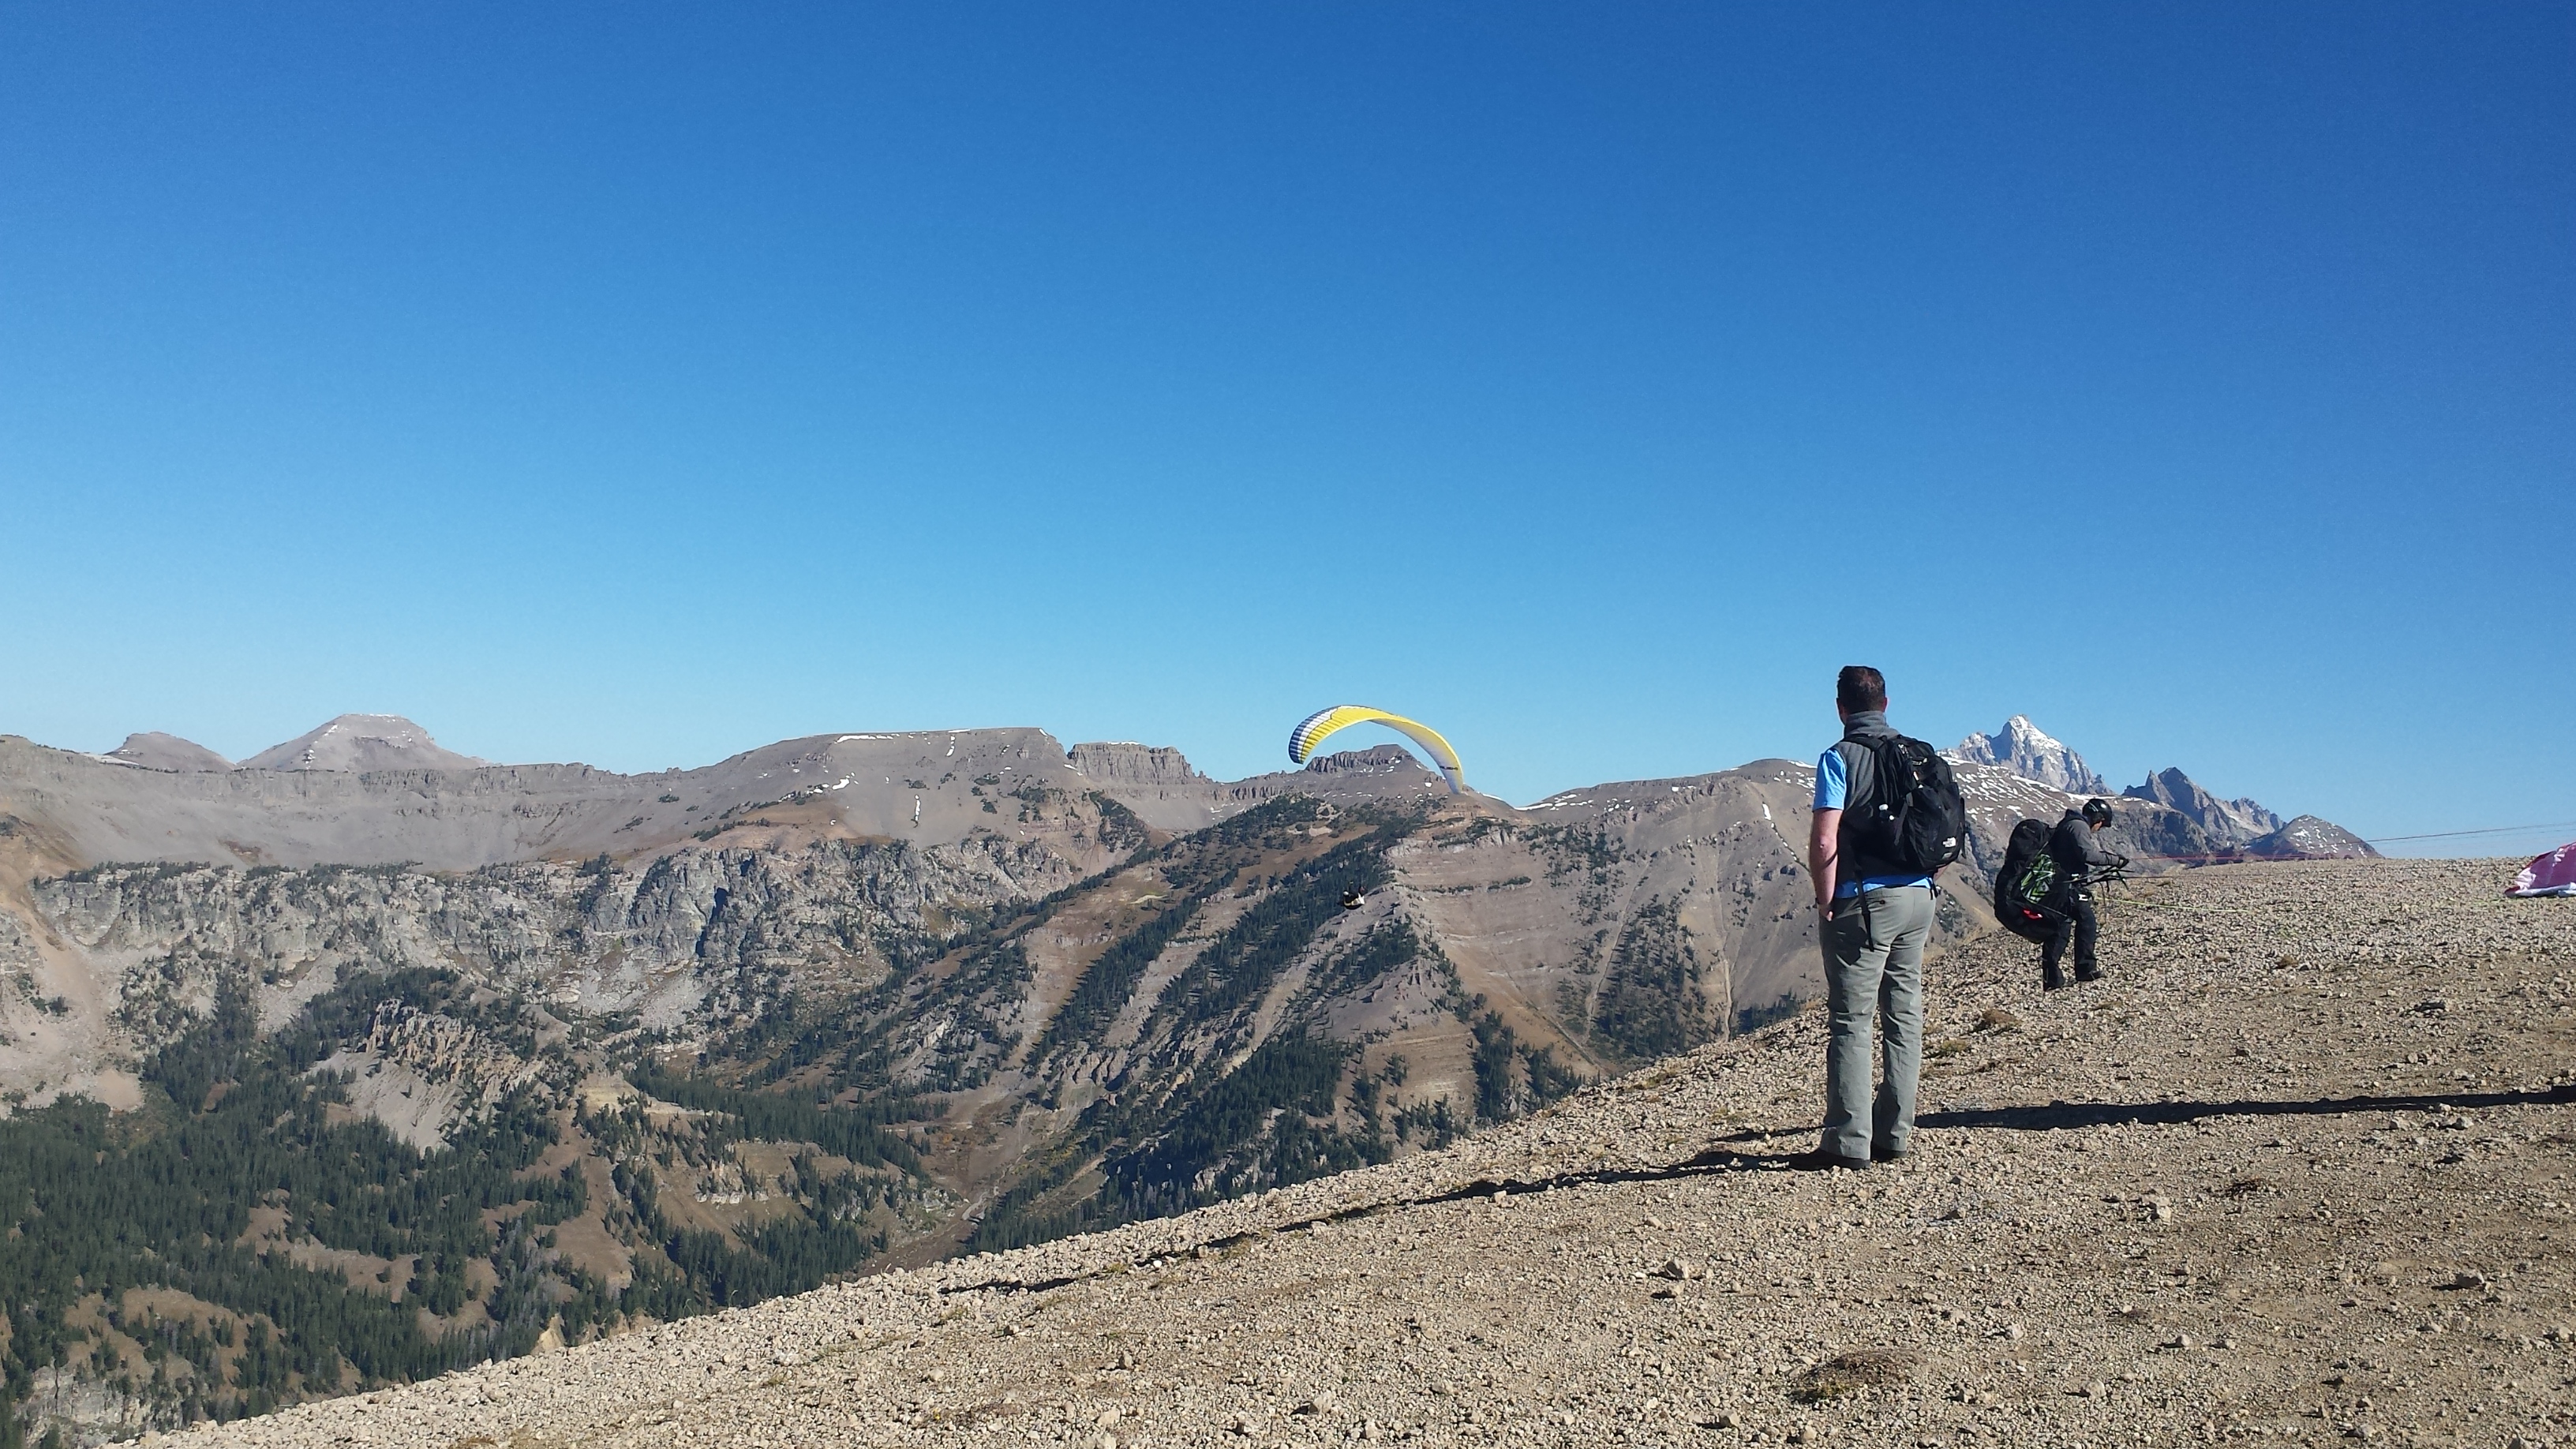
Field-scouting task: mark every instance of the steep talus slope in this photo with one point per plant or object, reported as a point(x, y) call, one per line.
point(2300, 1170)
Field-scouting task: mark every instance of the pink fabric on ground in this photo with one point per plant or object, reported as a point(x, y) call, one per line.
point(2553, 874)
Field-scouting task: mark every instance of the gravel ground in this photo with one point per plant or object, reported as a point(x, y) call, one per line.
point(2299, 1170)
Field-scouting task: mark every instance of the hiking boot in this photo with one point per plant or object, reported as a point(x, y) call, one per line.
point(1887, 1154)
point(2052, 982)
point(2084, 973)
point(1823, 1161)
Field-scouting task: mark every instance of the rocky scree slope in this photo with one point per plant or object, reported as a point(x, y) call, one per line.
point(2299, 1171)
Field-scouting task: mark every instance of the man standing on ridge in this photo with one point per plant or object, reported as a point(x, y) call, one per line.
point(1874, 916)
point(2071, 845)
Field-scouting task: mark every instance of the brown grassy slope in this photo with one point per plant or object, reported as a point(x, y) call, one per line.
point(2300, 1167)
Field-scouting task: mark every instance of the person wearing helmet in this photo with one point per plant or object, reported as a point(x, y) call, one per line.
point(2072, 899)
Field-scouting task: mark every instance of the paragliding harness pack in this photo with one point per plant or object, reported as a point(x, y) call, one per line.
point(2028, 878)
point(1914, 818)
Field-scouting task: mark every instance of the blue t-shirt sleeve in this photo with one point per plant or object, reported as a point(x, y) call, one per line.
point(1831, 784)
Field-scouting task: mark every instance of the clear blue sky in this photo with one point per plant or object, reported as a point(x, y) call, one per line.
point(638, 384)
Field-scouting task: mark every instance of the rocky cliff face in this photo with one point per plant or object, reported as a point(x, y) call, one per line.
point(694, 933)
point(1124, 762)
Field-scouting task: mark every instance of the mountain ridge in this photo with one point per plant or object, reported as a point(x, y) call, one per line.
point(864, 999)
point(2231, 822)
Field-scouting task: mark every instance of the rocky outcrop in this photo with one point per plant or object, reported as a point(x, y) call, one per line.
point(1124, 762)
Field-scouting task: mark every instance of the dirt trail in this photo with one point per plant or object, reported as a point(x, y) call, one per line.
point(2299, 1171)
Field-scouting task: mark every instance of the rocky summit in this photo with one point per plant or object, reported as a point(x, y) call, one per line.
point(2298, 1171)
point(2033, 754)
point(357, 742)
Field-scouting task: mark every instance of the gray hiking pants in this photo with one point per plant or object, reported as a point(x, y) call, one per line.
point(1874, 975)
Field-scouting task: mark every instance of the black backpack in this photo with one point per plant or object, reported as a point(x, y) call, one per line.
point(1915, 818)
point(2025, 882)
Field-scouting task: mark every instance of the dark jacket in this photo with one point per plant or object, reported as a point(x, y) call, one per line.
point(2071, 845)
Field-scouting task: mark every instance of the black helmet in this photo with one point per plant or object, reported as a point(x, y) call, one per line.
point(2097, 812)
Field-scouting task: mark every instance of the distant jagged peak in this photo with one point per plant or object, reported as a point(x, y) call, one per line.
point(1126, 762)
point(154, 750)
point(2231, 822)
point(2254, 813)
point(2030, 752)
point(360, 743)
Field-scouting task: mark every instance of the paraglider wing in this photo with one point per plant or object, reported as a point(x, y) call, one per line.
point(2553, 874)
point(1324, 723)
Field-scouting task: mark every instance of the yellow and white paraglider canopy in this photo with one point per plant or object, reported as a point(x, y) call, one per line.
point(1324, 723)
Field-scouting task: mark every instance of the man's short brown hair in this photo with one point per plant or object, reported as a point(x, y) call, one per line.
point(1860, 687)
